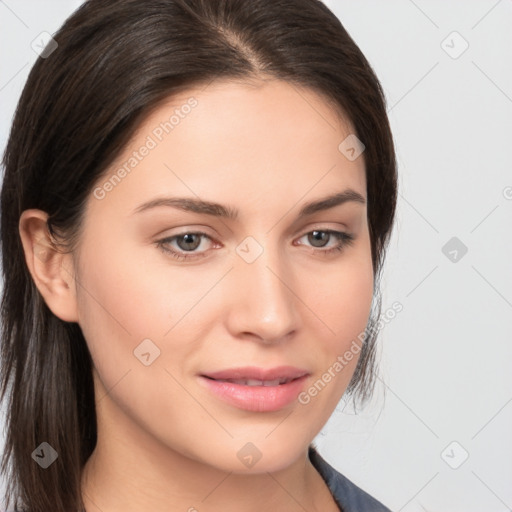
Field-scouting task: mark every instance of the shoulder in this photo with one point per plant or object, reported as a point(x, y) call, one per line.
point(348, 495)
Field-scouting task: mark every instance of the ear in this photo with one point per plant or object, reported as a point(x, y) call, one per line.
point(51, 269)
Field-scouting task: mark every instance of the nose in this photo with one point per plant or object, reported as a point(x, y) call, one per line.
point(263, 303)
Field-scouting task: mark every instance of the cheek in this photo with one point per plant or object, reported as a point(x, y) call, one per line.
point(128, 295)
point(343, 296)
point(125, 290)
point(122, 303)
point(342, 303)
point(115, 311)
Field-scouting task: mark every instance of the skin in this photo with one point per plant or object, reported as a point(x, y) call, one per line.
point(162, 437)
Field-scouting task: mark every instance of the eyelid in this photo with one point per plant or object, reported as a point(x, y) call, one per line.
point(344, 239)
point(205, 230)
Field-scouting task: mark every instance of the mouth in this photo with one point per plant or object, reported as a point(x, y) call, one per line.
point(254, 376)
point(256, 382)
point(256, 389)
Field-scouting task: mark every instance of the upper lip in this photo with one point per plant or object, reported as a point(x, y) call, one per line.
point(256, 373)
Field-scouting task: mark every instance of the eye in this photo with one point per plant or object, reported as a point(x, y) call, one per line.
point(319, 236)
point(188, 242)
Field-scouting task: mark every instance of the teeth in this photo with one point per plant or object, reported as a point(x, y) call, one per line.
point(275, 382)
point(255, 382)
point(250, 382)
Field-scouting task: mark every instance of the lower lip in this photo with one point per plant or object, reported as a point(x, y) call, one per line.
point(256, 398)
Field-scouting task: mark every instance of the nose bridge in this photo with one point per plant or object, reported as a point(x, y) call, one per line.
point(264, 304)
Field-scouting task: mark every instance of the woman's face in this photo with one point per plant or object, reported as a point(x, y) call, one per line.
point(266, 289)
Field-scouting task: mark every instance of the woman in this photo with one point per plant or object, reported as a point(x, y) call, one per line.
point(195, 208)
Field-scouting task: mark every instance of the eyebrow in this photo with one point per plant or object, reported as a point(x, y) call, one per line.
point(219, 210)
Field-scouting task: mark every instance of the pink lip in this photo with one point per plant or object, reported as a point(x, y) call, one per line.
point(253, 372)
point(257, 398)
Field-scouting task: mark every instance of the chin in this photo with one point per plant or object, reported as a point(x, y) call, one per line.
point(257, 455)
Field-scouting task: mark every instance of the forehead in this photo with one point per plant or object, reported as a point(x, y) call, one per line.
point(236, 140)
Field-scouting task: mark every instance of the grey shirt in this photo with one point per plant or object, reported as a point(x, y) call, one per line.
point(348, 496)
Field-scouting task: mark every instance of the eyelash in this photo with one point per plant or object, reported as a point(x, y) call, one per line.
point(344, 240)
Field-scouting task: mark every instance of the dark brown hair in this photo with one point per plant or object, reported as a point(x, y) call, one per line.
point(116, 61)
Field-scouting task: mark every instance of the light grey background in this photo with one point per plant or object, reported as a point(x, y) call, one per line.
point(445, 389)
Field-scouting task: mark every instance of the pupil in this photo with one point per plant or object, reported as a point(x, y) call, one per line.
point(189, 239)
point(318, 236)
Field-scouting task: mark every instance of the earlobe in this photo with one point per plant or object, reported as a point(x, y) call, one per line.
point(50, 267)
